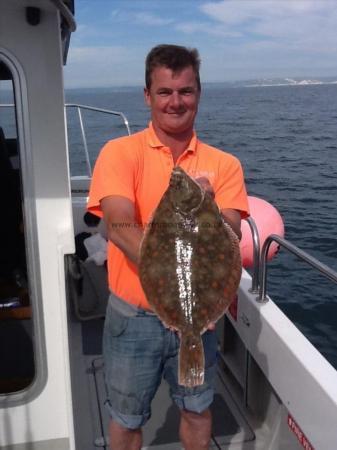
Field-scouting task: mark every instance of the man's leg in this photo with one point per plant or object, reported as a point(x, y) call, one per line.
point(196, 419)
point(124, 438)
point(195, 430)
point(132, 348)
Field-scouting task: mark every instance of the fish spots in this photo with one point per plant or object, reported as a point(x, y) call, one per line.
point(190, 269)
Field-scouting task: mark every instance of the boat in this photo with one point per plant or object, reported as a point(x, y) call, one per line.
point(274, 389)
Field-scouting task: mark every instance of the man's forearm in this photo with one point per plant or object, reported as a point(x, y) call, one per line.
point(122, 226)
point(127, 236)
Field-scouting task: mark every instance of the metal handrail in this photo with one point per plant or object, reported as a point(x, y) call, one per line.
point(84, 139)
point(90, 108)
point(304, 256)
point(105, 111)
point(256, 255)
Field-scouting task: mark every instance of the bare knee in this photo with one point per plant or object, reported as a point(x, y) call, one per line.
point(122, 438)
point(195, 429)
point(196, 418)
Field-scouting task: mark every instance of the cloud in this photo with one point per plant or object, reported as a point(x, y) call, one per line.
point(276, 19)
point(84, 55)
point(280, 35)
point(237, 39)
point(140, 18)
point(241, 11)
point(199, 27)
point(103, 66)
point(151, 19)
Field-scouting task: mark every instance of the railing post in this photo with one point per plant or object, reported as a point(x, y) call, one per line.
point(126, 122)
point(86, 151)
point(262, 297)
point(256, 255)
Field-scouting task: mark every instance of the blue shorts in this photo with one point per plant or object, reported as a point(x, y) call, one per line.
point(138, 350)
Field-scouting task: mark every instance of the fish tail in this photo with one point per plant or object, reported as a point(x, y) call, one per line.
point(191, 360)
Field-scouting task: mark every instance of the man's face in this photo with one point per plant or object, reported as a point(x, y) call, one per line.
point(173, 99)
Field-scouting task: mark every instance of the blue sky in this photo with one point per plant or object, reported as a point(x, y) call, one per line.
point(237, 39)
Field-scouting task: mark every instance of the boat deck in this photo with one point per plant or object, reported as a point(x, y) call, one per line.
point(230, 429)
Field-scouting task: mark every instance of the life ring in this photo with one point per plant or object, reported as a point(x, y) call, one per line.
point(268, 221)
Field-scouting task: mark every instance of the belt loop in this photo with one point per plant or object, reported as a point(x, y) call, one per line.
point(144, 312)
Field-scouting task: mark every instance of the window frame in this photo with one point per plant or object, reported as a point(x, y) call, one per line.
point(23, 127)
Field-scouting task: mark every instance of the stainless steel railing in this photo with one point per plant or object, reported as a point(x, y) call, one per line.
point(79, 108)
point(84, 138)
point(304, 256)
point(256, 255)
point(259, 268)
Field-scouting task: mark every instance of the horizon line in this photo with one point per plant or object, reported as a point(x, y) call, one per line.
point(297, 79)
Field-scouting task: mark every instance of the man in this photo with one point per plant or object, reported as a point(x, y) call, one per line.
point(130, 177)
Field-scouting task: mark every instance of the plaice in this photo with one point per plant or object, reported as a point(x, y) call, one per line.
point(190, 268)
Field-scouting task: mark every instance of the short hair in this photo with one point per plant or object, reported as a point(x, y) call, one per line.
point(174, 57)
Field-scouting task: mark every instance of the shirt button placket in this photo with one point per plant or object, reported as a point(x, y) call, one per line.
point(169, 159)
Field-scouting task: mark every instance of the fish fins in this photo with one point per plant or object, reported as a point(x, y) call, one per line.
point(191, 360)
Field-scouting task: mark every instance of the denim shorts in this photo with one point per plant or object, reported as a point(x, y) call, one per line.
point(138, 351)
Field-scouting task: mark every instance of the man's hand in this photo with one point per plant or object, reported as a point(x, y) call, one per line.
point(231, 216)
point(205, 185)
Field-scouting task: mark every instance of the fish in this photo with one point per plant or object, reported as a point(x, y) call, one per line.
point(190, 268)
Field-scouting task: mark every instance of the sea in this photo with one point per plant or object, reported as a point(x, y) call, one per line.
point(286, 140)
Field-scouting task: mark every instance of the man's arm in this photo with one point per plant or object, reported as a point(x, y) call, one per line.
point(122, 227)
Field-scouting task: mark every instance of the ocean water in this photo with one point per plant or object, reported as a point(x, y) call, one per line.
point(286, 140)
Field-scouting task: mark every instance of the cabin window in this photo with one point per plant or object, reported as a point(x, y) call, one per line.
point(17, 367)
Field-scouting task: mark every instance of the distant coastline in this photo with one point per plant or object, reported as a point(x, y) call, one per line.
point(270, 82)
point(259, 82)
point(290, 82)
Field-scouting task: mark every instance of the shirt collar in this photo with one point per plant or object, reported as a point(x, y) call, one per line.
point(154, 141)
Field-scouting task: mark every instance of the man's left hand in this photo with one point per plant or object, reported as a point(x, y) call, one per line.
point(205, 185)
point(211, 326)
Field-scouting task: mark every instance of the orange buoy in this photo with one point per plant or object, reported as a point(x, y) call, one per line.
point(268, 221)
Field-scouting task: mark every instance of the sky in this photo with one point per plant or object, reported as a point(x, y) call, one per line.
point(237, 39)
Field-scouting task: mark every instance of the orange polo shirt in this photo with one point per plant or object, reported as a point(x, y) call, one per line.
point(139, 167)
